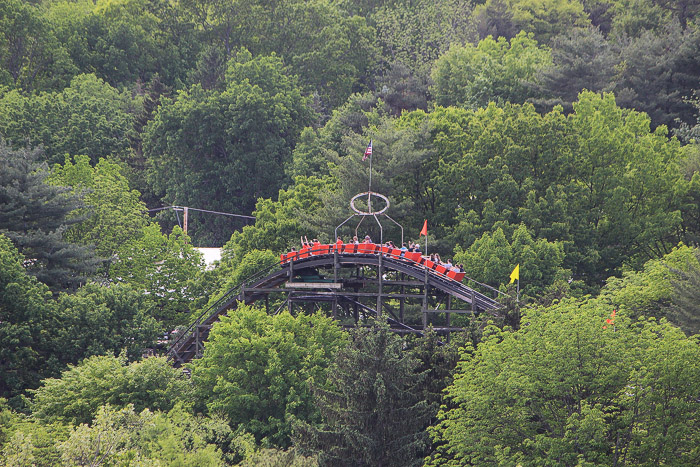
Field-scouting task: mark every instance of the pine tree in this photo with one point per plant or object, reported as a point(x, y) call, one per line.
point(581, 59)
point(35, 215)
point(372, 411)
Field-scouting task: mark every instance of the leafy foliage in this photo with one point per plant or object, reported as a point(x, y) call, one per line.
point(544, 18)
point(81, 390)
point(232, 144)
point(415, 34)
point(256, 369)
point(122, 435)
point(88, 117)
point(26, 321)
point(471, 77)
point(113, 213)
point(491, 258)
point(596, 179)
point(98, 320)
point(166, 268)
point(279, 224)
point(581, 59)
point(564, 390)
point(684, 309)
point(330, 50)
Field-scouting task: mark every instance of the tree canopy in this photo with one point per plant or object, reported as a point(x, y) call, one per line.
point(567, 389)
point(561, 136)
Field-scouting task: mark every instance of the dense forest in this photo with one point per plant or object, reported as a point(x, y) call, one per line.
point(562, 136)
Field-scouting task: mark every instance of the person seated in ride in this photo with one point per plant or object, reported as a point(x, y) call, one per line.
point(437, 259)
point(450, 266)
point(315, 246)
point(460, 267)
point(305, 247)
point(411, 247)
point(338, 244)
point(367, 239)
point(404, 249)
point(355, 240)
point(416, 248)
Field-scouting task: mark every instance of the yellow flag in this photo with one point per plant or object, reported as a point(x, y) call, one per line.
point(515, 274)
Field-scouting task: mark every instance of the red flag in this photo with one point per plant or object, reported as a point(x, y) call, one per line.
point(424, 230)
point(368, 151)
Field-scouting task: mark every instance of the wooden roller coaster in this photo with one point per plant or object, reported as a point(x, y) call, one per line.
point(353, 285)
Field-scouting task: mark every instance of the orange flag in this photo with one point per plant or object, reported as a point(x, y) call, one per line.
point(424, 230)
point(610, 320)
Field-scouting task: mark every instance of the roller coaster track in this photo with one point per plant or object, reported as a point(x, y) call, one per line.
point(279, 279)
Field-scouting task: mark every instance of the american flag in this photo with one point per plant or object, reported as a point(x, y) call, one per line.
point(368, 151)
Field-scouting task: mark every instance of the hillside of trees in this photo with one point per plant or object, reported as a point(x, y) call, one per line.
point(562, 136)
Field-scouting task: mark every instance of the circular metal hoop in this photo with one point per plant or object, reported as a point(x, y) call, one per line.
point(368, 194)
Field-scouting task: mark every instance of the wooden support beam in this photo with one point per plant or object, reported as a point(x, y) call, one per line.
point(313, 285)
point(380, 271)
point(449, 311)
point(425, 300)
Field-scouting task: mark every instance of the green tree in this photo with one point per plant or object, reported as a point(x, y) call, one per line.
point(89, 117)
point(649, 291)
point(97, 320)
point(415, 34)
point(36, 215)
point(685, 296)
point(27, 322)
point(598, 180)
point(569, 389)
point(494, 70)
point(164, 267)
point(544, 18)
point(372, 411)
point(224, 150)
point(119, 436)
point(628, 174)
point(403, 155)
point(24, 441)
point(684, 10)
point(30, 56)
point(81, 390)
point(495, 18)
point(279, 224)
point(330, 50)
point(113, 212)
point(317, 148)
point(633, 17)
point(125, 42)
point(277, 457)
point(581, 59)
point(661, 80)
point(403, 90)
point(492, 258)
point(256, 369)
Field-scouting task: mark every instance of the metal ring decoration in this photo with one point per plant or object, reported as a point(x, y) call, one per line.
point(367, 193)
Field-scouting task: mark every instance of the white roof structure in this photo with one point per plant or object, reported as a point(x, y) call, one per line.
point(210, 255)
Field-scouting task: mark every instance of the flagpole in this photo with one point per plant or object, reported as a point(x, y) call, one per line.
point(517, 294)
point(369, 193)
